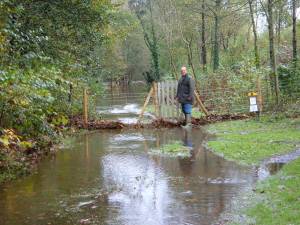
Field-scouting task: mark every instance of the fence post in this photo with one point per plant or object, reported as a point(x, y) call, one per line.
point(154, 85)
point(167, 87)
point(159, 98)
point(146, 103)
point(85, 108)
point(172, 96)
point(163, 100)
point(260, 98)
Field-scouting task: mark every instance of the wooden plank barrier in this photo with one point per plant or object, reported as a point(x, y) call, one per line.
point(166, 106)
point(85, 108)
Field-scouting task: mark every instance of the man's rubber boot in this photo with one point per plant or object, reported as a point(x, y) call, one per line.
point(188, 121)
point(185, 119)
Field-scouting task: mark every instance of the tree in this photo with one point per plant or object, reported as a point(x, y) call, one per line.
point(216, 50)
point(272, 59)
point(141, 9)
point(256, 54)
point(294, 25)
point(203, 37)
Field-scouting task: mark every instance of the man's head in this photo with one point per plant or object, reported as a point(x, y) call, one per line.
point(183, 71)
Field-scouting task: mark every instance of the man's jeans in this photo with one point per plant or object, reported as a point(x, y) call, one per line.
point(187, 108)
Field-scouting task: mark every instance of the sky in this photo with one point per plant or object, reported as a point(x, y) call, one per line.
point(262, 25)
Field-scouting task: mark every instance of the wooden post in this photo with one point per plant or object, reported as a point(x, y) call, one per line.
point(146, 103)
point(85, 108)
point(154, 86)
point(260, 98)
point(167, 99)
point(163, 99)
point(172, 96)
point(178, 112)
point(159, 98)
point(202, 107)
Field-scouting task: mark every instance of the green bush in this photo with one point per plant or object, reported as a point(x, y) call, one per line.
point(289, 78)
point(31, 102)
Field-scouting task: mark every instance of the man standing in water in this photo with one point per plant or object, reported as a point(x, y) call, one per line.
point(185, 96)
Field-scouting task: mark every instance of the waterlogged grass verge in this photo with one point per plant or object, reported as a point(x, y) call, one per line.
point(279, 201)
point(276, 200)
point(174, 149)
point(251, 141)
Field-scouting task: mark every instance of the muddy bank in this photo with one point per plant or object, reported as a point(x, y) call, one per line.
point(77, 122)
point(18, 159)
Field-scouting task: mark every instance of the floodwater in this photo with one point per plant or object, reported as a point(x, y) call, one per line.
point(123, 104)
point(112, 178)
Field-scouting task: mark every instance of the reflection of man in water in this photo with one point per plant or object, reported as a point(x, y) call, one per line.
point(186, 164)
point(185, 96)
point(187, 141)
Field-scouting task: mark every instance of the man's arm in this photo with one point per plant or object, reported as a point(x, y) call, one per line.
point(192, 88)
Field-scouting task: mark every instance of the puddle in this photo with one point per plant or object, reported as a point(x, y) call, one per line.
point(110, 178)
point(273, 165)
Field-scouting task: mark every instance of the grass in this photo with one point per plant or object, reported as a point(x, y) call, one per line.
point(280, 203)
point(276, 200)
point(173, 149)
point(251, 141)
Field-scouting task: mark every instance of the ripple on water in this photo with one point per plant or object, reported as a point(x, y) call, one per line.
point(134, 137)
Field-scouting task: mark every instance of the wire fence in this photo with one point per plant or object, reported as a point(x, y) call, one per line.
point(221, 97)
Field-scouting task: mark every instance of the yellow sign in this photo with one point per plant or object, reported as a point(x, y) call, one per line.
point(252, 94)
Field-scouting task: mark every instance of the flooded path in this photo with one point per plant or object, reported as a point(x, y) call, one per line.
point(111, 178)
point(123, 105)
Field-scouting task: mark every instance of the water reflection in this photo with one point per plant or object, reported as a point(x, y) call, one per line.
point(186, 164)
point(151, 189)
point(141, 189)
point(109, 178)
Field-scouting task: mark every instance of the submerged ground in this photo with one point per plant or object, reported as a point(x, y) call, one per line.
point(128, 177)
point(135, 177)
point(111, 177)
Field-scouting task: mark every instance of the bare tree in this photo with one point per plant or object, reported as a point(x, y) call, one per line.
point(256, 54)
point(270, 20)
point(203, 38)
point(294, 39)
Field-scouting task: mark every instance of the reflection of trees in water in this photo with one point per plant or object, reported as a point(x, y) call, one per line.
point(162, 181)
point(142, 189)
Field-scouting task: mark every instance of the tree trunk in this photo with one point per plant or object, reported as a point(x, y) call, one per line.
point(279, 24)
point(203, 40)
point(274, 76)
point(216, 50)
point(190, 61)
point(294, 41)
point(256, 54)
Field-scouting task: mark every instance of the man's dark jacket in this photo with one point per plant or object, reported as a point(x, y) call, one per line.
point(185, 90)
